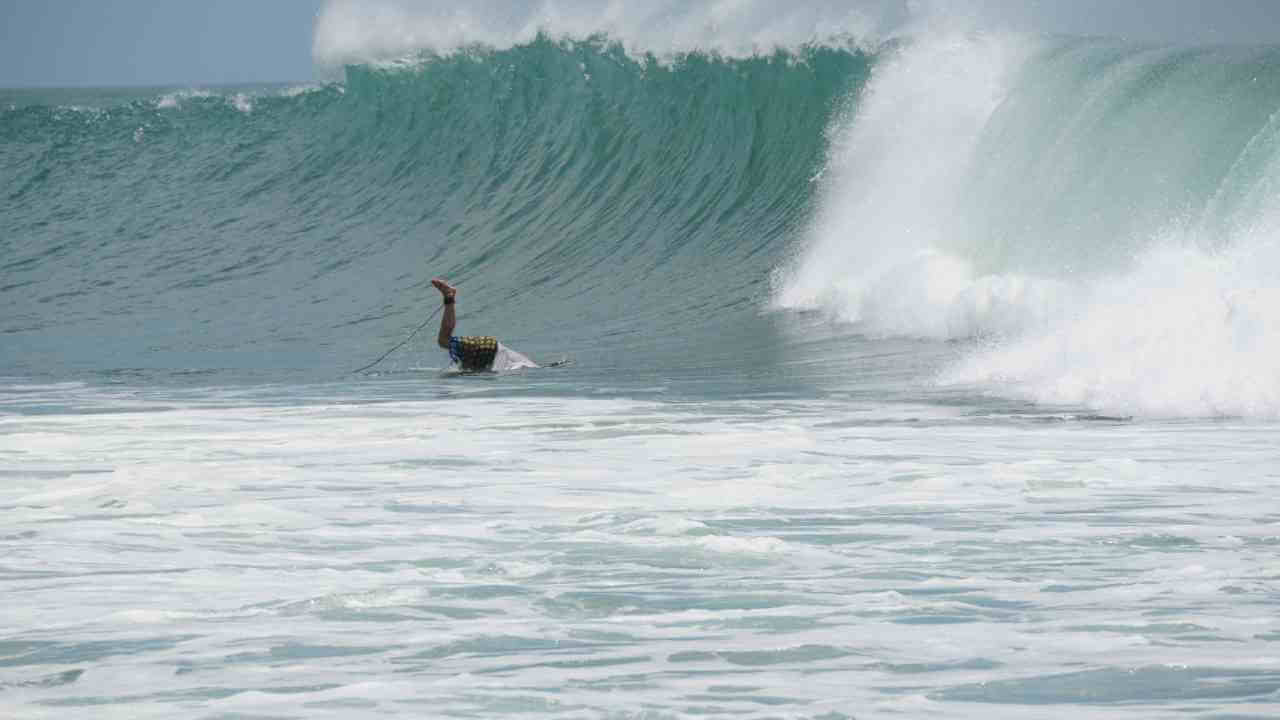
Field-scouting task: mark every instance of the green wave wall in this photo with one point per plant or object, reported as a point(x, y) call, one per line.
point(574, 192)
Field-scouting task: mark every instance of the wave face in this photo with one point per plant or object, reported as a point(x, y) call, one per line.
point(1103, 218)
point(574, 191)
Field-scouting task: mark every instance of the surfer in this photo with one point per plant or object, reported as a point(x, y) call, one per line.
point(473, 353)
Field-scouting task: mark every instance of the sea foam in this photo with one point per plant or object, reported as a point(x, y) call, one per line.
point(1101, 262)
point(365, 31)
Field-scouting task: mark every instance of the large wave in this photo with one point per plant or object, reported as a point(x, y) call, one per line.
point(1103, 217)
point(576, 192)
point(1096, 220)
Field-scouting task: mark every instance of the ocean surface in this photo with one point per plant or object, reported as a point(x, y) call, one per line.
point(933, 377)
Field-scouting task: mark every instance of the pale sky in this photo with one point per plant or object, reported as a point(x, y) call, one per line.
point(1253, 22)
point(154, 42)
point(193, 42)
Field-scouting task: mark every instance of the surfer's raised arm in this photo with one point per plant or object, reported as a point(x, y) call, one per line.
point(474, 353)
point(449, 320)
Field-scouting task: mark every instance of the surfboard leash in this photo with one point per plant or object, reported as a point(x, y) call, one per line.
point(402, 342)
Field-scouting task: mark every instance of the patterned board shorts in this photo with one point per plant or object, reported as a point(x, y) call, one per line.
point(473, 353)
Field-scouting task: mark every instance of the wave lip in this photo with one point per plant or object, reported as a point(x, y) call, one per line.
point(381, 31)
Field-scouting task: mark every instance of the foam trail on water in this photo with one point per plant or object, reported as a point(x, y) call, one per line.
point(1188, 333)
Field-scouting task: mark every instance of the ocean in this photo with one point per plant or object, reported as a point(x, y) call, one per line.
point(932, 377)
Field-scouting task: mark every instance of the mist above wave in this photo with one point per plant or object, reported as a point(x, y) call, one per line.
point(371, 31)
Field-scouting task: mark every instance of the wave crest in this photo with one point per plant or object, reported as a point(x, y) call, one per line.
point(379, 31)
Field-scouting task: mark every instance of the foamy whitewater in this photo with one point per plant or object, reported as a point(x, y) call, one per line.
point(915, 369)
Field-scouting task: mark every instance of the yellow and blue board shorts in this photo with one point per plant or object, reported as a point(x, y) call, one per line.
point(473, 353)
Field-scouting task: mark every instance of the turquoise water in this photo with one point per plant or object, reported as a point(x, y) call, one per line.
point(930, 379)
